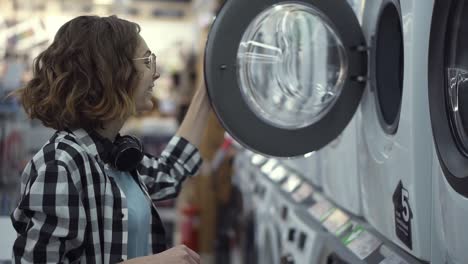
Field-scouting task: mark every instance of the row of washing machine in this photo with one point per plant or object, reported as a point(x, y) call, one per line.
point(377, 89)
point(295, 222)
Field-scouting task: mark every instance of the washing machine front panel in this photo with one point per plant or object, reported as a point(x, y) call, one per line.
point(303, 242)
point(291, 73)
point(268, 243)
point(341, 181)
point(395, 145)
point(308, 167)
point(358, 7)
point(453, 209)
point(448, 67)
point(340, 164)
point(448, 75)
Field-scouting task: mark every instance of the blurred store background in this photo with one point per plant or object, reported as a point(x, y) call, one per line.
point(176, 31)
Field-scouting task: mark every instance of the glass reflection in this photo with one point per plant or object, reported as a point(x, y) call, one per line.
point(258, 159)
point(292, 183)
point(268, 167)
point(291, 66)
point(458, 88)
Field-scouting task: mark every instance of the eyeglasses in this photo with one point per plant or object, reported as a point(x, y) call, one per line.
point(150, 62)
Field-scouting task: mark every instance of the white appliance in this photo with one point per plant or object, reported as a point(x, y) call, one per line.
point(246, 170)
point(309, 167)
point(303, 242)
point(341, 181)
point(395, 143)
point(281, 93)
point(268, 232)
point(302, 238)
point(276, 89)
point(448, 73)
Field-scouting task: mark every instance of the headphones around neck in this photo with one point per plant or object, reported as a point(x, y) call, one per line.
point(126, 153)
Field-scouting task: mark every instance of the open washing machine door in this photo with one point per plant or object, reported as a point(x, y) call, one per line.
point(285, 78)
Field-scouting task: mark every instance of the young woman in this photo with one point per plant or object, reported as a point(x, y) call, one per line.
point(87, 194)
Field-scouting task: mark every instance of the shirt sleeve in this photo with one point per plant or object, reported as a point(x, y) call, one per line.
point(164, 175)
point(50, 219)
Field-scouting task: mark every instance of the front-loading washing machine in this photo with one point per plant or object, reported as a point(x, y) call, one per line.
point(341, 181)
point(313, 228)
point(309, 167)
point(246, 168)
point(396, 141)
point(281, 93)
point(302, 238)
point(241, 167)
point(275, 89)
point(448, 75)
point(244, 174)
point(268, 232)
point(303, 241)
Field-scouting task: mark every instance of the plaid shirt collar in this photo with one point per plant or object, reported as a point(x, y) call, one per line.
point(95, 144)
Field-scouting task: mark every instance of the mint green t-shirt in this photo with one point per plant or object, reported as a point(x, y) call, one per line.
point(139, 214)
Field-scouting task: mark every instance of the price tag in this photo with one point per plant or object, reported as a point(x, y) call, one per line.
point(335, 221)
point(304, 191)
point(257, 159)
point(268, 167)
point(291, 183)
point(321, 210)
point(278, 174)
point(364, 244)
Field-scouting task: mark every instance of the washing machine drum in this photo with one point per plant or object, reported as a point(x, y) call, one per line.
point(284, 78)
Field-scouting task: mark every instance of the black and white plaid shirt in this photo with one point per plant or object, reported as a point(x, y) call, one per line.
point(72, 212)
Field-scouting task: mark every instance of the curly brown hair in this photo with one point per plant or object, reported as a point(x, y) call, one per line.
point(86, 76)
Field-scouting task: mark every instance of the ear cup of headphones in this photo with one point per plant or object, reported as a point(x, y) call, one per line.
point(126, 153)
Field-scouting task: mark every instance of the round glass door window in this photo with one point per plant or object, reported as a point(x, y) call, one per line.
point(291, 65)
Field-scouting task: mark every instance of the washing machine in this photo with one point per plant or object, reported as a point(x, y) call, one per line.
point(268, 231)
point(303, 241)
point(281, 93)
point(341, 181)
point(313, 228)
point(247, 168)
point(306, 221)
point(448, 75)
point(309, 167)
point(396, 142)
point(302, 237)
point(245, 172)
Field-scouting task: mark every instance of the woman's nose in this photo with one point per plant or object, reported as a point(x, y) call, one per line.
point(156, 76)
